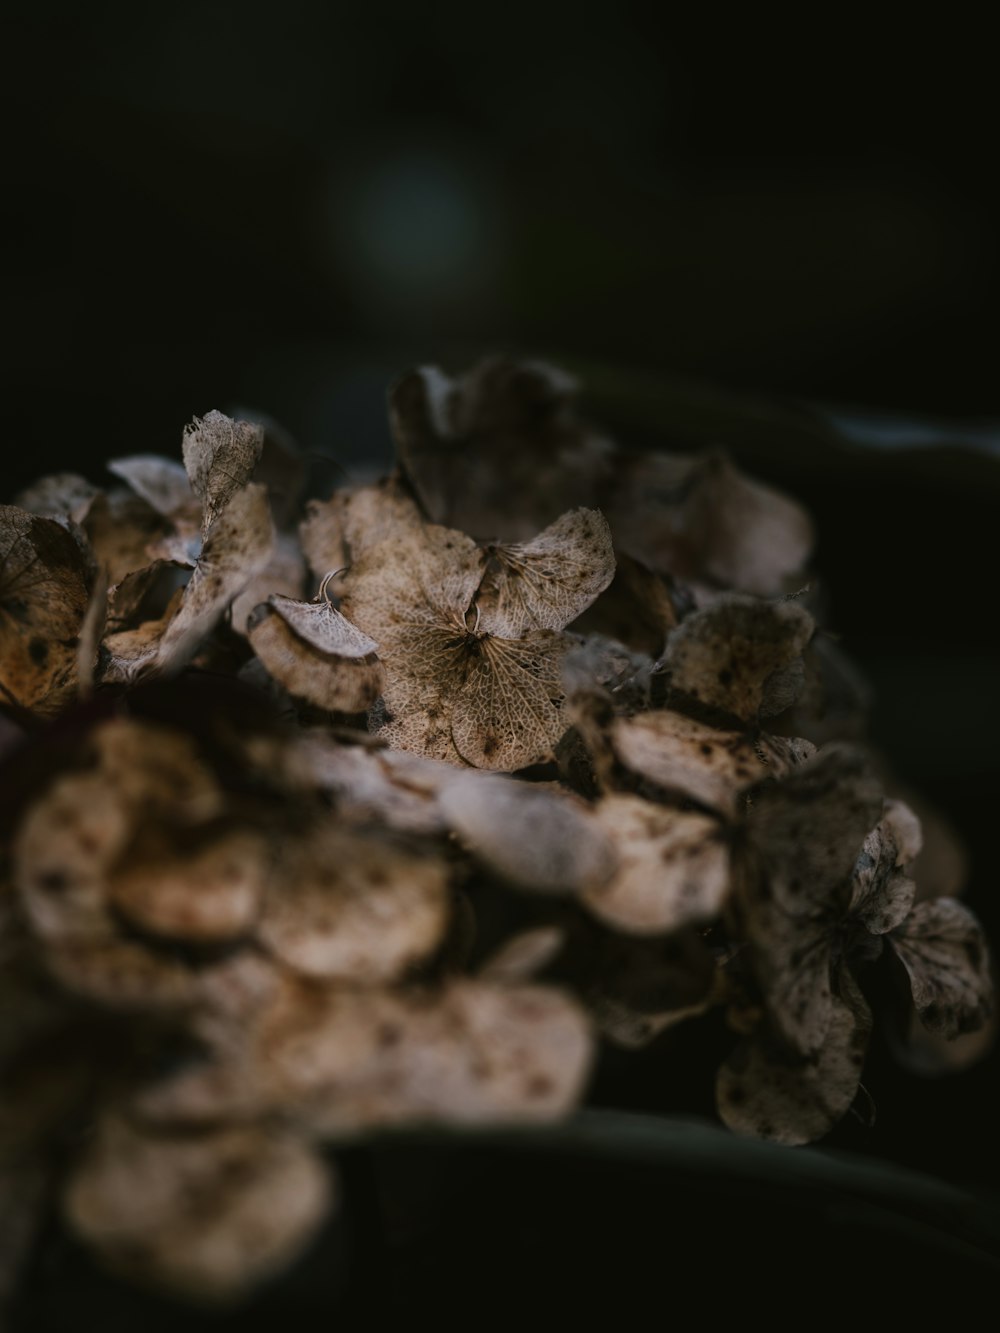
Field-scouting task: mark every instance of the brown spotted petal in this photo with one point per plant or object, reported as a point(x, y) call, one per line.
point(548, 581)
point(534, 838)
point(353, 907)
point(120, 974)
point(208, 894)
point(207, 1215)
point(317, 654)
point(942, 947)
point(344, 1060)
point(45, 585)
point(673, 867)
point(219, 455)
point(881, 894)
point(700, 762)
point(734, 656)
point(762, 1092)
point(809, 828)
point(238, 546)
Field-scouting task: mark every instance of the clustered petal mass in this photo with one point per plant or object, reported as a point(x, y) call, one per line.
point(386, 810)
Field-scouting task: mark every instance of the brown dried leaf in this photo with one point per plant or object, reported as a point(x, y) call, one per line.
point(707, 765)
point(44, 592)
point(500, 452)
point(673, 867)
point(734, 656)
point(942, 947)
point(220, 455)
point(316, 654)
point(353, 907)
point(548, 581)
point(238, 545)
point(537, 839)
point(760, 1092)
point(207, 1215)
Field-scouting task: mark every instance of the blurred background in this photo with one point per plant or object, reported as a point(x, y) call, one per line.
point(780, 241)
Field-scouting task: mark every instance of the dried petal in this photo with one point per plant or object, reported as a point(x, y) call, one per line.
point(118, 974)
point(351, 907)
point(347, 1060)
point(638, 988)
point(316, 654)
point(710, 766)
point(379, 786)
point(942, 947)
point(636, 609)
point(207, 1215)
point(237, 546)
point(220, 455)
point(64, 495)
point(762, 1094)
point(337, 533)
point(701, 517)
point(673, 867)
point(284, 574)
point(499, 452)
point(123, 531)
point(212, 893)
point(547, 582)
point(882, 895)
point(734, 656)
point(44, 593)
point(164, 486)
point(547, 841)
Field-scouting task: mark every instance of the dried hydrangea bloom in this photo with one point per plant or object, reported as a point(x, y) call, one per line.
point(209, 1215)
point(343, 1060)
point(673, 867)
point(45, 587)
point(740, 657)
point(316, 653)
point(529, 836)
point(353, 906)
point(499, 452)
point(457, 687)
point(700, 517)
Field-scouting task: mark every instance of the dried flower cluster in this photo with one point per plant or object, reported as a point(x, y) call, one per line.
point(280, 869)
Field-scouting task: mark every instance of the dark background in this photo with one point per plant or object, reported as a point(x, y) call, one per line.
point(726, 228)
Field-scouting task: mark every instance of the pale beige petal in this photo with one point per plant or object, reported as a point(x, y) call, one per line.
point(673, 867)
point(345, 677)
point(209, 1215)
point(534, 838)
point(352, 907)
